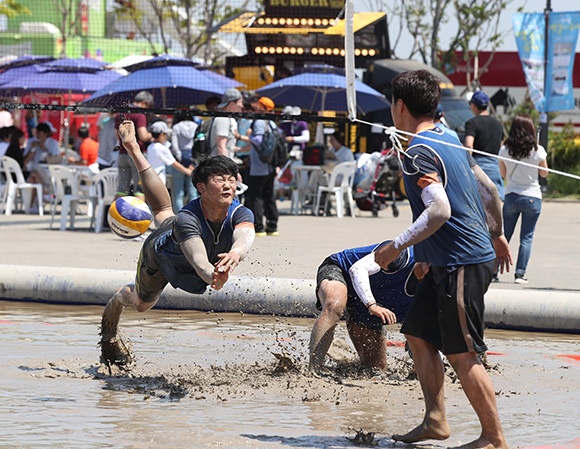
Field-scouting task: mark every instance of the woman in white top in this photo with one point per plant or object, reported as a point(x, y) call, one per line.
point(523, 193)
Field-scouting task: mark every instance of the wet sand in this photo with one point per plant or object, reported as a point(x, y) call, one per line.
point(206, 380)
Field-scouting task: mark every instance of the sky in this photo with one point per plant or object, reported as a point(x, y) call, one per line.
point(509, 44)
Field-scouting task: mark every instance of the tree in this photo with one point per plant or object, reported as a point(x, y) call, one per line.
point(69, 20)
point(11, 8)
point(179, 20)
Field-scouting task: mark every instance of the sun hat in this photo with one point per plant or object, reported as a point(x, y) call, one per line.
point(267, 103)
point(158, 128)
point(229, 96)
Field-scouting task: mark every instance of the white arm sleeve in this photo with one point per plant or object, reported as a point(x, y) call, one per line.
point(302, 138)
point(243, 241)
point(359, 275)
point(195, 253)
point(437, 212)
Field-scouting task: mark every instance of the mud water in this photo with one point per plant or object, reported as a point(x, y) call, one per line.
point(205, 380)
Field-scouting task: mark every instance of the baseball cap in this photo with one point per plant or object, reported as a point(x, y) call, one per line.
point(229, 96)
point(266, 103)
point(479, 99)
point(158, 128)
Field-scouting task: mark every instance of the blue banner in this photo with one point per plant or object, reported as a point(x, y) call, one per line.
point(529, 29)
point(562, 40)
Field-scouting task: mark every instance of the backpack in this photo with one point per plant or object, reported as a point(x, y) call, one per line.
point(201, 140)
point(274, 150)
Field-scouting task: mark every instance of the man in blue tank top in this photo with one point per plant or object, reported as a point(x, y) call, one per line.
point(197, 248)
point(352, 281)
point(458, 238)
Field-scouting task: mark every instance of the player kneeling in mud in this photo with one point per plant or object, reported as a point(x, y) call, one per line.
point(352, 281)
point(199, 246)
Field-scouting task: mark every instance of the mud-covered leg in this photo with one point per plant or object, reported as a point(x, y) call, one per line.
point(114, 350)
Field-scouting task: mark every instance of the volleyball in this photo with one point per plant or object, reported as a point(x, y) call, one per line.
point(129, 217)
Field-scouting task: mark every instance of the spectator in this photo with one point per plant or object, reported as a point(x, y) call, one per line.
point(296, 132)
point(337, 151)
point(88, 149)
point(159, 156)
point(485, 133)
point(128, 175)
point(108, 141)
point(5, 134)
point(224, 130)
point(523, 193)
point(440, 122)
point(6, 118)
point(260, 197)
point(212, 102)
point(15, 149)
point(184, 129)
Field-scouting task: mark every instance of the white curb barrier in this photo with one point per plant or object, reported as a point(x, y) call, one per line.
point(507, 309)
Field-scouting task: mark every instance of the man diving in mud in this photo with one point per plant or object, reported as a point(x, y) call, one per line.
point(198, 247)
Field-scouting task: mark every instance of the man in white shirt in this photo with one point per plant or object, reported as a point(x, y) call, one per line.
point(224, 130)
point(338, 151)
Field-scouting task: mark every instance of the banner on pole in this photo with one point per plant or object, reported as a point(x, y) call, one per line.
point(529, 29)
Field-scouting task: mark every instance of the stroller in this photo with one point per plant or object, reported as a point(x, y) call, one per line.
point(378, 182)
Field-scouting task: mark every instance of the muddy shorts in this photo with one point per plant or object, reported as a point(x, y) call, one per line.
point(356, 312)
point(150, 280)
point(447, 310)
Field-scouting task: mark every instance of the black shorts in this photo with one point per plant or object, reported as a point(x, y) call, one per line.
point(447, 310)
point(356, 312)
point(150, 280)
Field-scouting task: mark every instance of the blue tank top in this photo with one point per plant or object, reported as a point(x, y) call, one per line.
point(388, 287)
point(464, 239)
point(191, 222)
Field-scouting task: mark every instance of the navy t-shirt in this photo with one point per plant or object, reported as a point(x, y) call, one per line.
point(191, 223)
point(464, 239)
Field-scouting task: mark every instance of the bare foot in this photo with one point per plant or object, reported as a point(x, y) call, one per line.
point(484, 443)
point(439, 431)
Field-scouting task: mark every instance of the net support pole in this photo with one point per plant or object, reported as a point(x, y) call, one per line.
point(349, 59)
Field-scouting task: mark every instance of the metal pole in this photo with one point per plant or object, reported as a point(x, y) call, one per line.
point(544, 121)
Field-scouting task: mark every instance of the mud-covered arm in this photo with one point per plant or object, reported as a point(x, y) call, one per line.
point(490, 200)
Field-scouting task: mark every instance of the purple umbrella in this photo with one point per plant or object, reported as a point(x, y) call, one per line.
point(26, 60)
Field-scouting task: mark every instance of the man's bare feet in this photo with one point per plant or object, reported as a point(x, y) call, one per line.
point(484, 443)
point(439, 431)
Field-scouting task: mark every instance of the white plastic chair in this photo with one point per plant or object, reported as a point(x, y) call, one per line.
point(105, 184)
point(65, 190)
point(339, 184)
point(12, 188)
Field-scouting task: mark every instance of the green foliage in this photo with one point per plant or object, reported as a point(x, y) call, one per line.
point(564, 156)
point(11, 8)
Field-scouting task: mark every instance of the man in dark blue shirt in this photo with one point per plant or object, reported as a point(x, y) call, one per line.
point(351, 281)
point(199, 246)
point(458, 238)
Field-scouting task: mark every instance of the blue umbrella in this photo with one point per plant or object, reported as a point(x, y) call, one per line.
point(75, 65)
point(16, 73)
point(52, 80)
point(160, 61)
point(171, 86)
point(322, 92)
